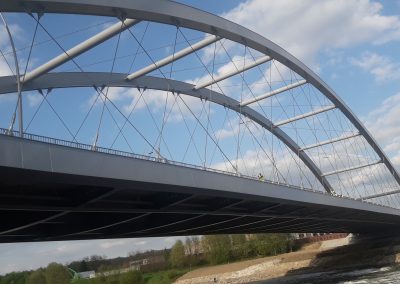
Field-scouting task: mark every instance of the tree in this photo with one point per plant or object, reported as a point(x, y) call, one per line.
point(217, 248)
point(79, 266)
point(196, 245)
point(272, 244)
point(166, 254)
point(57, 274)
point(36, 277)
point(14, 277)
point(241, 247)
point(177, 255)
point(189, 246)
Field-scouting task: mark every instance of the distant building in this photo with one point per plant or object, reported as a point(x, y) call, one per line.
point(155, 260)
point(298, 236)
point(317, 237)
point(87, 274)
point(136, 264)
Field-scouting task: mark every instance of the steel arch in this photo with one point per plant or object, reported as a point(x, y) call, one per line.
point(184, 16)
point(70, 79)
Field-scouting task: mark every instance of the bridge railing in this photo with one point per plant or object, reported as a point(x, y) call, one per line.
point(87, 147)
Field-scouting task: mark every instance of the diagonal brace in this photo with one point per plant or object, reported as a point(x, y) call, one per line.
point(233, 73)
point(79, 49)
point(167, 60)
point(273, 93)
point(302, 116)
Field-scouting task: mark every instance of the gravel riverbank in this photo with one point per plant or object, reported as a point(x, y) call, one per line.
point(332, 254)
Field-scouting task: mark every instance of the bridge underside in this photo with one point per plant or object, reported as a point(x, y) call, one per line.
point(50, 192)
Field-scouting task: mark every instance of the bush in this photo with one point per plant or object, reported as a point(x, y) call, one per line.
point(36, 277)
point(132, 277)
point(159, 279)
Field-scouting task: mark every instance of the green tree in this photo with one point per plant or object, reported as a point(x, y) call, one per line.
point(79, 266)
point(166, 254)
point(177, 255)
point(57, 274)
point(36, 277)
point(272, 244)
point(241, 247)
point(217, 248)
point(14, 278)
point(238, 239)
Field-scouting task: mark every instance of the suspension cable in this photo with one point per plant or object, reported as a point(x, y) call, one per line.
point(18, 78)
point(108, 88)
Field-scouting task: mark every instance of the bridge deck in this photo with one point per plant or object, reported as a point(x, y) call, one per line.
point(53, 192)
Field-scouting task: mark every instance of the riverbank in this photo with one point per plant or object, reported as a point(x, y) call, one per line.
point(338, 254)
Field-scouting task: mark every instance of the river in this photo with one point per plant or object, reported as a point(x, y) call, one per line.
point(362, 276)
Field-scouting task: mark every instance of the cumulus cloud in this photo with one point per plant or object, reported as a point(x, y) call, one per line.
point(305, 28)
point(308, 30)
point(16, 31)
point(34, 99)
point(17, 34)
point(113, 243)
point(384, 125)
point(4, 69)
point(169, 241)
point(381, 67)
point(152, 100)
point(141, 243)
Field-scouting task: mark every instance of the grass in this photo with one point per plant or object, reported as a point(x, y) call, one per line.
point(164, 277)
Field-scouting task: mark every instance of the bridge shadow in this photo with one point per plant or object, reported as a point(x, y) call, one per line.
point(364, 255)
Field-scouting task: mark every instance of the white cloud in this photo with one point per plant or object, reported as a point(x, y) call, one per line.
point(170, 240)
point(225, 86)
point(233, 128)
point(141, 243)
point(226, 132)
point(384, 125)
point(286, 167)
point(112, 243)
point(4, 69)
point(381, 67)
point(154, 100)
point(17, 34)
point(305, 28)
point(34, 99)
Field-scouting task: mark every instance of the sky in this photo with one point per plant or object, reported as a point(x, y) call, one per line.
point(352, 45)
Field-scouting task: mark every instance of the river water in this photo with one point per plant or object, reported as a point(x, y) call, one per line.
point(362, 276)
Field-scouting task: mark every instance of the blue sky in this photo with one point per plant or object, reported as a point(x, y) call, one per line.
point(353, 45)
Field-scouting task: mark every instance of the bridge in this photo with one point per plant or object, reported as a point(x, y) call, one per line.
point(138, 119)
